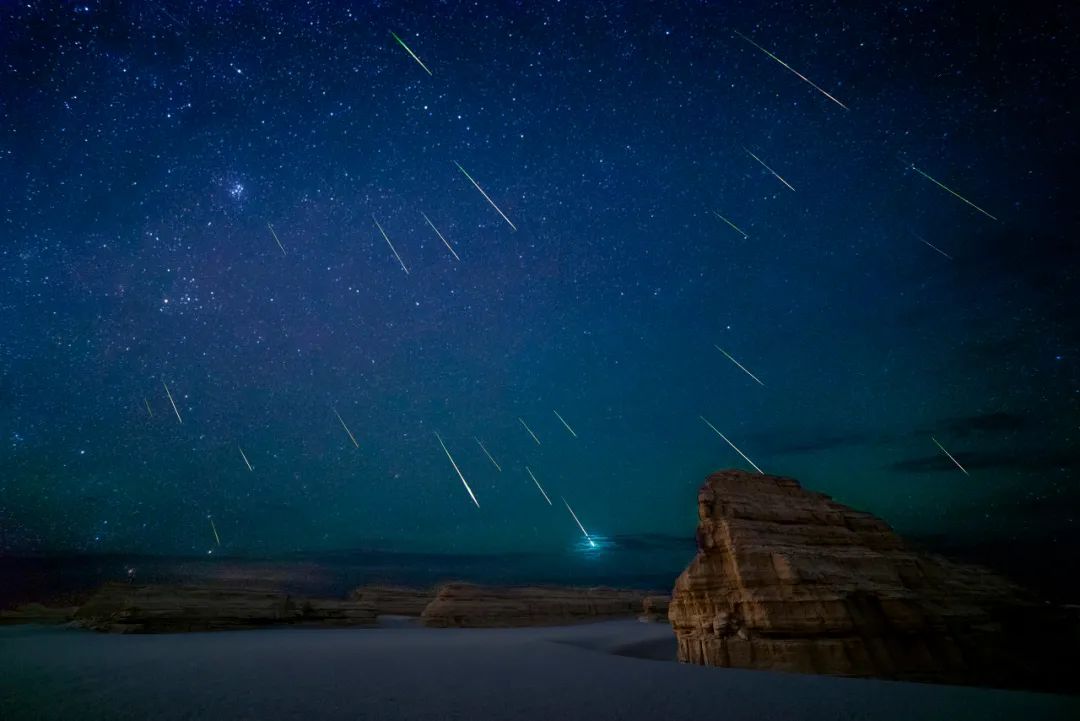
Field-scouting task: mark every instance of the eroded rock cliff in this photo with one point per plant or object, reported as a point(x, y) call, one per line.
point(789, 579)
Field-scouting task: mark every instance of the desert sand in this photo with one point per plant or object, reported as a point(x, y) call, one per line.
point(607, 670)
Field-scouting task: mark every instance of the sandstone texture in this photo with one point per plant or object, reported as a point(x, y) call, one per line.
point(126, 608)
point(788, 579)
point(470, 605)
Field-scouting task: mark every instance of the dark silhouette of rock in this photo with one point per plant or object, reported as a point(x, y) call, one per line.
point(470, 605)
point(126, 608)
point(394, 600)
point(788, 579)
point(36, 613)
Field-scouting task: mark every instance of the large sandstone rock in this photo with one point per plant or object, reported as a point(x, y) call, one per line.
point(469, 605)
point(394, 600)
point(788, 579)
point(125, 608)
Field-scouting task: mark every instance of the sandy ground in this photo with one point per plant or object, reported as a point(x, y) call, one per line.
point(607, 670)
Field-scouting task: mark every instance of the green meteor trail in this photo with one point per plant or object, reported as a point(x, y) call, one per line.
point(410, 52)
point(735, 227)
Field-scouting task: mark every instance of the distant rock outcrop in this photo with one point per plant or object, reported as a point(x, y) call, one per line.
point(394, 600)
point(788, 579)
point(470, 605)
point(655, 608)
point(36, 613)
point(125, 608)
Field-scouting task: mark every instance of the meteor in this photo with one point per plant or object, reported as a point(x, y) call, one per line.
point(587, 537)
point(485, 450)
point(175, 409)
point(927, 242)
point(737, 228)
point(564, 423)
point(769, 169)
point(710, 425)
point(529, 471)
point(276, 238)
point(440, 235)
point(410, 52)
point(801, 76)
point(391, 245)
point(447, 452)
point(244, 456)
point(214, 529)
point(738, 364)
point(950, 456)
point(530, 431)
point(351, 436)
point(945, 187)
point(148, 406)
point(486, 196)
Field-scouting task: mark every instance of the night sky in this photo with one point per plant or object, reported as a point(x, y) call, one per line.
point(146, 147)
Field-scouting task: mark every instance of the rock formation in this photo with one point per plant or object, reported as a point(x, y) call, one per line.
point(469, 605)
point(655, 608)
point(125, 608)
point(36, 613)
point(394, 600)
point(788, 579)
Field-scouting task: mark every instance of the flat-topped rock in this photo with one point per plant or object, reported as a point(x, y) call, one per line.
point(788, 579)
point(125, 608)
point(394, 600)
point(471, 605)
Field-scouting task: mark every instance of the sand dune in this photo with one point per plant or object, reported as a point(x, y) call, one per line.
point(588, 672)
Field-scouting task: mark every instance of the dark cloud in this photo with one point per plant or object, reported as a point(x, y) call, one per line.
point(1019, 460)
point(814, 441)
point(993, 422)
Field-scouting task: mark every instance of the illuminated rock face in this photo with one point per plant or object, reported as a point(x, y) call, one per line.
point(470, 605)
point(787, 579)
point(124, 608)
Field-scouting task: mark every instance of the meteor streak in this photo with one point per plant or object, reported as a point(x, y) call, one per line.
point(738, 364)
point(391, 245)
point(587, 537)
point(737, 228)
point(351, 436)
point(486, 196)
point(769, 169)
point(440, 235)
point(529, 471)
point(927, 242)
point(447, 452)
point(276, 238)
point(801, 76)
point(530, 431)
point(410, 52)
point(244, 456)
point(175, 409)
point(945, 187)
point(710, 425)
point(214, 529)
point(148, 406)
point(950, 456)
point(564, 423)
point(485, 450)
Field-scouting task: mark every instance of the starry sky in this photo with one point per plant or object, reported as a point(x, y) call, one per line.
point(146, 149)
